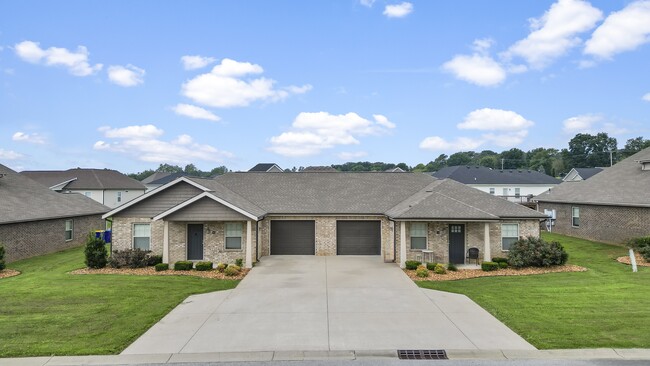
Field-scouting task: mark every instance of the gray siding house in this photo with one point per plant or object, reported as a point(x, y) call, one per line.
point(251, 215)
point(612, 206)
point(35, 220)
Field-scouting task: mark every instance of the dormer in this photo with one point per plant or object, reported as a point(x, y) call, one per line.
point(645, 164)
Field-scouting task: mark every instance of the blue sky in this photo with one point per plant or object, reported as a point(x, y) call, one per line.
point(131, 84)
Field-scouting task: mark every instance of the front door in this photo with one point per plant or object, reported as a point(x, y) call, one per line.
point(457, 243)
point(195, 241)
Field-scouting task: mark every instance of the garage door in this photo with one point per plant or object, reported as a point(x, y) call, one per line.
point(293, 237)
point(358, 237)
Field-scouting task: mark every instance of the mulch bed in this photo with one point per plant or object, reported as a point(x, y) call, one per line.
point(464, 274)
point(6, 273)
point(639, 260)
point(150, 271)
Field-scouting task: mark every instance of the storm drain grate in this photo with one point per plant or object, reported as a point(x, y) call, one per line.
point(422, 354)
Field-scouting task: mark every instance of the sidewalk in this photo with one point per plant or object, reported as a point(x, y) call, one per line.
point(169, 358)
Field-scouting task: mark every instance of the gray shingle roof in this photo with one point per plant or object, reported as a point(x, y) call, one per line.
point(262, 167)
point(84, 178)
point(482, 175)
point(155, 176)
point(587, 173)
point(24, 199)
point(167, 178)
point(624, 184)
point(220, 191)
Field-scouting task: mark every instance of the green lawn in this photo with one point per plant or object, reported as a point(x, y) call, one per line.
point(607, 306)
point(45, 311)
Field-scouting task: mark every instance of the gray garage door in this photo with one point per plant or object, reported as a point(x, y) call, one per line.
point(293, 237)
point(358, 237)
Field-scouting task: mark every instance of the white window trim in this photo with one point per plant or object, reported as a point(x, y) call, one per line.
point(508, 223)
point(119, 196)
point(225, 237)
point(71, 229)
point(426, 236)
point(493, 191)
point(133, 234)
point(573, 217)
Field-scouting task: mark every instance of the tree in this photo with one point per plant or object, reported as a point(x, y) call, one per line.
point(589, 151)
point(541, 159)
point(633, 146)
point(169, 168)
point(461, 158)
point(513, 159)
point(191, 170)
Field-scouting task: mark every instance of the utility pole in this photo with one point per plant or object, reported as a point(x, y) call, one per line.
point(502, 160)
point(611, 159)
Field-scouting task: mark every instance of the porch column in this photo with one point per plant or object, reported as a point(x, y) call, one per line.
point(249, 244)
point(165, 252)
point(402, 244)
point(487, 256)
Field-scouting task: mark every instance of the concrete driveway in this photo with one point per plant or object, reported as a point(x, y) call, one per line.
point(308, 303)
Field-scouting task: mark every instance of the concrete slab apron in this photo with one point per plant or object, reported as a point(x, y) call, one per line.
point(308, 303)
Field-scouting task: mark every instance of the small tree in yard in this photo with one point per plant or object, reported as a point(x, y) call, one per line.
point(641, 245)
point(2, 257)
point(96, 254)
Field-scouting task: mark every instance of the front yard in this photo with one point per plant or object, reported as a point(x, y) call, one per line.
point(607, 306)
point(46, 311)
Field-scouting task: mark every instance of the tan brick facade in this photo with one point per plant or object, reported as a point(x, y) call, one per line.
point(609, 224)
point(123, 233)
point(29, 239)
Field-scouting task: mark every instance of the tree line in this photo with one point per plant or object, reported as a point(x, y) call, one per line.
point(584, 151)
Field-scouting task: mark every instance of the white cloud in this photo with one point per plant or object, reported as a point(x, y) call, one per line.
point(437, 143)
point(195, 112)
point(126, 76)
point(351, 155)
point(398, 10)
point(143, 143)
point(10, 155)
point(622, 31)
point(32, 138)
point(75, 61)
point(581, 124)
point(646, 97)
point(196, 62)
point(368, 3)
point(494, 119)
point(477, 69)
point(312, 133)
point(555, 32)
point(224, 86)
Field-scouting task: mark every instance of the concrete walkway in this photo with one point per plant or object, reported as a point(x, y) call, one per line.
point(296, 303)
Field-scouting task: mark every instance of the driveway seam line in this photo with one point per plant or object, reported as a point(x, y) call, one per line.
point(447, 316)
point(327, 308)
point(206, 319)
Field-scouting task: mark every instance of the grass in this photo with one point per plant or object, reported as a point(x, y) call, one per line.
point(45, 311)
point(607, 306)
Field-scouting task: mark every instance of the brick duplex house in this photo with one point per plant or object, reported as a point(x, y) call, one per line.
point(397, 216)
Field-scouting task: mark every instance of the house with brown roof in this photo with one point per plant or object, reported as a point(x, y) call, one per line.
point(35, 220)
point(612, 206)
point(106, 186)
point(250, 215)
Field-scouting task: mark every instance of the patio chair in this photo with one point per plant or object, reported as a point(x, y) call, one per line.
point(472, 253)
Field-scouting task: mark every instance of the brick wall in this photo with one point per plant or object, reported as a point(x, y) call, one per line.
point(608, 224)
point(123, 233)
point(29, 239)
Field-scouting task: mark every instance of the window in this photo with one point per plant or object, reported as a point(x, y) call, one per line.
point(69, 230)
point(233, 235)
point(119, 197)
point(509, 235)
point(142, 236)
point(517, 192)
point(492, 191)
point(88, 194)
point(505, 191)
point(575, 216)
point(418, 235)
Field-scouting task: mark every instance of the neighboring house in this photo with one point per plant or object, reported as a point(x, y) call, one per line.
point(320, 168)
point(516, 185)
point(251, 215)
point(35, 220)
point(158, 179)
point(612, 206)
point(106, 186)
point(578, 174)
point(267, 167)
point(396, 170)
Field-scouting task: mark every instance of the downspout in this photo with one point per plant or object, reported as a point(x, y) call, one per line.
point(257, 241)
point(394, 241)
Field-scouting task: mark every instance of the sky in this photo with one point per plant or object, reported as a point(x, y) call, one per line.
point(129, 85)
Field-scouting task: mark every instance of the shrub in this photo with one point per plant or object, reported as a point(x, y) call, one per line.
point(161, 267)
point(422, 271)
point(439, 269)
point(152, 260)
point(232, 270)
point(500, 260)
point(502, 264)
point(645, 253)
point(130, 258)
point(489, 266)
point(642, 245)
point(221, 267)
point(203, 266)
point(535, 252)
point(239, 262)
point(431, 266)
point(96, 254)
point(452, 267)
point(412, 265)
point(2, 258)
point(183, 265)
